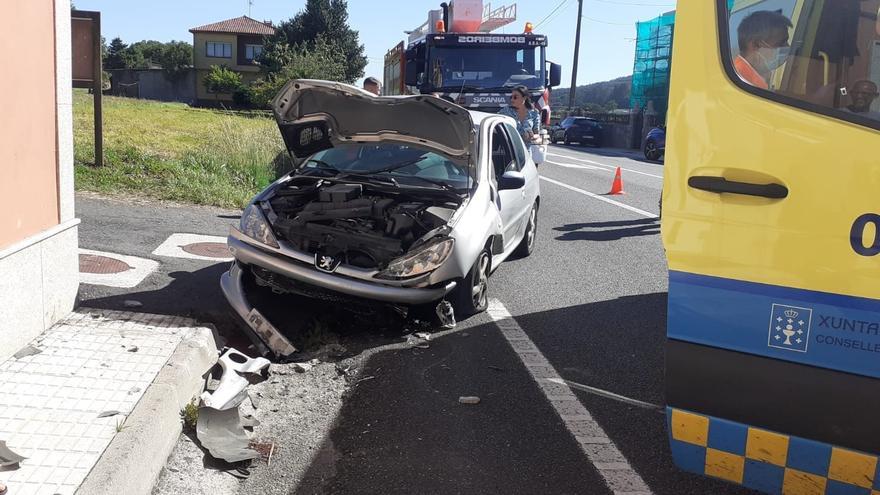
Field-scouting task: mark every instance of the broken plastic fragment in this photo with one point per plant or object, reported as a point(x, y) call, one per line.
point(469, 400)
point(233, 387)
point(302, 367)
point(107, 414)
point(131, 303)
point(27, 351)
point(8, 457)
point(222, 433)
point(446, 315)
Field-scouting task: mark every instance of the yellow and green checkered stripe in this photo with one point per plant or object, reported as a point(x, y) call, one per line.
point(768, 461)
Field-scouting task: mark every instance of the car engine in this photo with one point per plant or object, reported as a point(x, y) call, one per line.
point(359, 225)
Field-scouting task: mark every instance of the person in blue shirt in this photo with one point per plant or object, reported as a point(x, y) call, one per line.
point(523, 111)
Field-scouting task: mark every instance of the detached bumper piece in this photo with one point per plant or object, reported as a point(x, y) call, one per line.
point(265, 335)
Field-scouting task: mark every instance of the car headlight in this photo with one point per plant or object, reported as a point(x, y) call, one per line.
point(424, 260)
point(255, 226)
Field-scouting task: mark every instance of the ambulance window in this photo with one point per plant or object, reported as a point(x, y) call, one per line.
point(819, 55)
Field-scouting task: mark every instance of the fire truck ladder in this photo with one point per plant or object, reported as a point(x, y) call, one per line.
point(496, 18)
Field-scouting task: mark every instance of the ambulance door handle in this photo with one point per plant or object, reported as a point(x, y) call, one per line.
point(722, 185)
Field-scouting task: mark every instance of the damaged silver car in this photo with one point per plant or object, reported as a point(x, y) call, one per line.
point(408, 201)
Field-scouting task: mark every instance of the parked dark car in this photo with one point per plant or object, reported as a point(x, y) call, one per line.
point(582, 130)
point(655, 143)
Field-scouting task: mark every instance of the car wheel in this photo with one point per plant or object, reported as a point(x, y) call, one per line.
point(472, 295)
point(651, 151)
point(527, 245)
point(567, 140)
point(553, 139)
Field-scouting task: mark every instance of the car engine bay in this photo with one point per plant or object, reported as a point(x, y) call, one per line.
point(358, 224)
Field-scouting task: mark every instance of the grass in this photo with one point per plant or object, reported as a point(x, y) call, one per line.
point(174, 152)
point(190, 415)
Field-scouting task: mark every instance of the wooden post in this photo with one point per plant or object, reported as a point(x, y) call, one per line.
point(98, 93)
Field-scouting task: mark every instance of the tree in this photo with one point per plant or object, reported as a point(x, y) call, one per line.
point(144, 54)
point(222, 80)
point(176, 58)
point(115, 54)
point(327, 19)
point(322, 60)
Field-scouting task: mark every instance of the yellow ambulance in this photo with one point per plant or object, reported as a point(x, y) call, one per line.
point(771, 224)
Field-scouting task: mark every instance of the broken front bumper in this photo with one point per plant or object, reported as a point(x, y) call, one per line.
point(296, 270)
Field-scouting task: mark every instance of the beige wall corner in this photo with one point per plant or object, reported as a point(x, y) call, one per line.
point(64, 97)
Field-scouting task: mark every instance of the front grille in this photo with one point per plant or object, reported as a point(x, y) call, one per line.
point(287, 285)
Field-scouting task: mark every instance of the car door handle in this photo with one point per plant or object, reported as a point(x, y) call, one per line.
point(722, 185)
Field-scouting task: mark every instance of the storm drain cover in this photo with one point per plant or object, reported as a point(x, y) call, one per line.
point(208, 249)
point(93, 263)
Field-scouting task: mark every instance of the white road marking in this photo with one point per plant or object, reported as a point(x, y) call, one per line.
point(173, 246)
point(607, 394)
point(633, 209)
point(610, 167)
point(620, 477)
point(570, 165)
point(140, 269)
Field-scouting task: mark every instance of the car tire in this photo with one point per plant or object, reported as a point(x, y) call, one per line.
point(567, 140)
point(651, 151)
point(527, 245)
point(467, 301)
point(553, 139)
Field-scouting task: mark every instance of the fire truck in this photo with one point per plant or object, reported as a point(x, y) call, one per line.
point(457, 55)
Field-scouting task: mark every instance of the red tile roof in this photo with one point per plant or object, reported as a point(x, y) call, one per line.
point(239, 25)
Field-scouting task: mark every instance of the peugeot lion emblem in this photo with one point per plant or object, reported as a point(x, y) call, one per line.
point(326, 263)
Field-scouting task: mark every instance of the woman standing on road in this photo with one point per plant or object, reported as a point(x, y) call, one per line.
point(528, 119)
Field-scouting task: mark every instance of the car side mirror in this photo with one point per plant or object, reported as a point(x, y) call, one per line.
point(411, 77)
point(555, 75)
point(512, 180)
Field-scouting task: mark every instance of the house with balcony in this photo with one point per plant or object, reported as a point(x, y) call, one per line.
point(235, 43)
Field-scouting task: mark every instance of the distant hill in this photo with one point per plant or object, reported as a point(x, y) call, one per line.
point(600, 93)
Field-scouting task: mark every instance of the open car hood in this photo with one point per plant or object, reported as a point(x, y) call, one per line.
point(316, 115)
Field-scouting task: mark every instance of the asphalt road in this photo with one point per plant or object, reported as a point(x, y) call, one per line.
point(592, 299)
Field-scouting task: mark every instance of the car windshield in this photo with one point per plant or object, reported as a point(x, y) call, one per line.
point(400, 164)
point(486, 68)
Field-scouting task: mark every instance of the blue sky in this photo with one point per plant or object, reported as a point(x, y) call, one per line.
point(607, 33)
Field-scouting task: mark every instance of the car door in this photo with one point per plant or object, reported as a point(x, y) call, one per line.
point(509, 202)
point(771, 224)
point(525, 166)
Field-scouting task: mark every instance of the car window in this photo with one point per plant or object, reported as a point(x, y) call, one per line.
point(519, 147)
point(567, 121)
point(813, 54)
point(502, 154)
point(402, 162)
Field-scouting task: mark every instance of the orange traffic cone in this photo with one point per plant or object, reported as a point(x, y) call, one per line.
point(617, 185)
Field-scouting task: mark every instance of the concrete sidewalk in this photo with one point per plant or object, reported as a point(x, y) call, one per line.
point(94, 402)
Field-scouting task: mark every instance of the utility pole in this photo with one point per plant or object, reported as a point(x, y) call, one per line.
point(574, 65)
point(250, 4)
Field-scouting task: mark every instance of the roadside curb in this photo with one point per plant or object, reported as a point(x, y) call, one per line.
point(132, 462)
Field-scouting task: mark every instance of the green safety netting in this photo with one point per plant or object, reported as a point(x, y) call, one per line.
point(650, 80)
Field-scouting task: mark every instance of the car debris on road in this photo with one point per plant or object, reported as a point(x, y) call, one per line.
point(8, 458)
point(220, 428)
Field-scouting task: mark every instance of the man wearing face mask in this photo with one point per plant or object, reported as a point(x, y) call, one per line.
point(763, 46)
